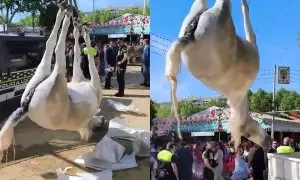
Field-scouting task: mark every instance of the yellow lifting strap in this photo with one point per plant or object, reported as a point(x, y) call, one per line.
point(94, 51)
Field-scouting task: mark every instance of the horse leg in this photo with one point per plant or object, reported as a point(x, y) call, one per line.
point(174, 54)
point(241, 124)
point(77, 72)
point(42, 72)
point(95, 79)
point(44, 68)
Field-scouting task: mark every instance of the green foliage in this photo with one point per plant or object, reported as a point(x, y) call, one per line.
point(27, 21)
point(102, 16)
point(261, 101)
point(12, 7)
point(153, 111)
point(163, 111)
point(187, 108)
point(288, 101)
point(48, 16)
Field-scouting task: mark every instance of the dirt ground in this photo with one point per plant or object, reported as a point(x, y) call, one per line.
point(39, 152)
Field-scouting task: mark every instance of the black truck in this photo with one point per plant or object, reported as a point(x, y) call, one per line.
point(19, 57)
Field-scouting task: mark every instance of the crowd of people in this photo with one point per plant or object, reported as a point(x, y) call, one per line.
point(213, 160)
point(110, 58)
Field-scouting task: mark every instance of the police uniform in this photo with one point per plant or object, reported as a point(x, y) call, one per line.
point(164, 169)
point(285, 150)
point(85, 61)
point(121, 69)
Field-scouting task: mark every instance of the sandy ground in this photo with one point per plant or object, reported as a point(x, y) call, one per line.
point(39, 152)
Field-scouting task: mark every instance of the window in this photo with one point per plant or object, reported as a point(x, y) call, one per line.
point(24, 55)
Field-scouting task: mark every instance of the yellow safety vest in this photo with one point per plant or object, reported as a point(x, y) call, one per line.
point(94, 51)
point(285, 149)
point(165, 156)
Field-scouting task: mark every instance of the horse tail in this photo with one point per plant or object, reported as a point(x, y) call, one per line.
point(6, 133)
point(173, 57)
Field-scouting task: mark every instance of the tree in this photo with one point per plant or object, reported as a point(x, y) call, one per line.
point(279, 97)
point(28, 21)
point(148, 10)
point(163, 111)
point(187, 108)
point(103, 15)
point(10, 8)
point(153, 111)
point(48, 15)
point(261, 101)
point(288, 101)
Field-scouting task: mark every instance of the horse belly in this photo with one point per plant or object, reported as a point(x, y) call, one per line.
point(201, 61)
point(42, 115)
point(83, 93)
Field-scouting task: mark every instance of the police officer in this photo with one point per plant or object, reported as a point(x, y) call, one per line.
point(85, 61)
point(167, 168)
point(122, 59)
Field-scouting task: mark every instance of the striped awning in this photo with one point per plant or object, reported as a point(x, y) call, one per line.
point(137, 29)
point(209, 126)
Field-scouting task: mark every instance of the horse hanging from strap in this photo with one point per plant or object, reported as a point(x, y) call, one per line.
point(215, 55)
point(51, 102)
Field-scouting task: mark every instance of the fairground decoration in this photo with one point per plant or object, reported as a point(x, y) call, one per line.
point(220, 127)
point(213, 113)
point(283, 75)
point(125, 20)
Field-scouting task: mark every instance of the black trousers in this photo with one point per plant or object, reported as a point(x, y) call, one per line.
point(258, 174)
point(85, 70)
point(121, 80)
point(108, 79)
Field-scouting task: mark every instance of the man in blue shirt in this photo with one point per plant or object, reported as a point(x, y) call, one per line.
point(145, 60)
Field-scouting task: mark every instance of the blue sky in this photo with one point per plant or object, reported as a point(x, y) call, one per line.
point(275, 22)
point(87, 5)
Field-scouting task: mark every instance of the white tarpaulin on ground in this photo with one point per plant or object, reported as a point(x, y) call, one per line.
point(104, 175)
point(122, 107)
point(108, 150)
point(140, 138)
point(126, 162)
point(110, 155)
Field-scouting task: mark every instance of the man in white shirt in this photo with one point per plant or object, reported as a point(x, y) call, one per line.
point(218, 171)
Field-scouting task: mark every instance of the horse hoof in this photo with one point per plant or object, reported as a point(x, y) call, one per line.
point(69, 11)
point(62, 5)
point(76, 23)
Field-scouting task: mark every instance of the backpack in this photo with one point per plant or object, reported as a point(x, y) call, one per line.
point(229, 164)
point(162, 171)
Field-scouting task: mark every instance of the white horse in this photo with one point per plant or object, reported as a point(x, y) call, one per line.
point(215, 55)
point(48, 99)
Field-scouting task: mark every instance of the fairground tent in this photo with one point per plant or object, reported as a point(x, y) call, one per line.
point(208, 121)
point(124, 25)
